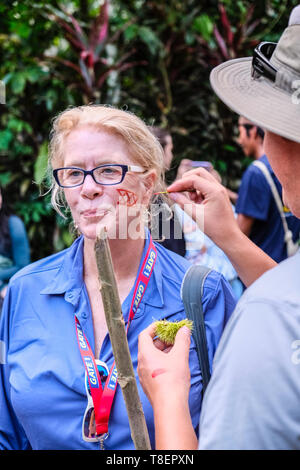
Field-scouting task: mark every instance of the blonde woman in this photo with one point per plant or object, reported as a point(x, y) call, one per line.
point(106, 166)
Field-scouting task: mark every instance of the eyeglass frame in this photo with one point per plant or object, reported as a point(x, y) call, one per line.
point(125, 169)
point(261, 65)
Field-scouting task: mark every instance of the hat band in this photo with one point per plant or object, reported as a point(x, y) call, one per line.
point(287, 81)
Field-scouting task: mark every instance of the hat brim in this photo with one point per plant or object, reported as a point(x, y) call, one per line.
point(258, 100)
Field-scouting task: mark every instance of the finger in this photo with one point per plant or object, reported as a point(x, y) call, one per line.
point(146, 336)
point(200, 172)
point(182, 343)
point(160, 345)
point(193, 181)
point(180, 198)
point(194, 209)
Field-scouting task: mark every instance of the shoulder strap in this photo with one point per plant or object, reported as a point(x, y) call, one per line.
point(291, 247)
point(191, 294)
point(271, 183)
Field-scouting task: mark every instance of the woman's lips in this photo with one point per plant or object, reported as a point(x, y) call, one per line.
point(90, 213)
point(99, 212)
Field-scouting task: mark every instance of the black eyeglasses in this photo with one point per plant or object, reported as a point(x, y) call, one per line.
point(70, 177)
point(261, 65)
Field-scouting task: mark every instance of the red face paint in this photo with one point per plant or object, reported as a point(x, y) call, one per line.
point(127, 197)
point(157, 372)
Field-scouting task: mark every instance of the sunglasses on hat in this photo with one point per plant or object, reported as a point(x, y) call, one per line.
point(261, 66)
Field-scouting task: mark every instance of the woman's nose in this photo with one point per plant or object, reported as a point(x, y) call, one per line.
point(90, 188)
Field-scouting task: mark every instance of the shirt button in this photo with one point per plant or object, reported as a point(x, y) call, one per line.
point(84, 315)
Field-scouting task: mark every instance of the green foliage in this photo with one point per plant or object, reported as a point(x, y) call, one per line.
point(152, 57)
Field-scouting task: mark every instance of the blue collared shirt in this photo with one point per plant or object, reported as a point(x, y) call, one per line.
point(43, 397)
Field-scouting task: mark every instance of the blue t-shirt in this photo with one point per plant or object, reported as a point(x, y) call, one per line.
point(256, 200)
point(43, 396)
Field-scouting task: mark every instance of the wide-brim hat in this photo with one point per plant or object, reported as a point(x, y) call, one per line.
point(272, 105)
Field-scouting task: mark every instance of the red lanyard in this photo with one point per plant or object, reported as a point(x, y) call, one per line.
point(103, 399)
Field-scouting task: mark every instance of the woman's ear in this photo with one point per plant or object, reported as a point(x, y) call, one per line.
point(149, 180)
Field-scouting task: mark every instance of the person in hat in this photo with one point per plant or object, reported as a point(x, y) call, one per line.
point(258, 213)
point(252, 401)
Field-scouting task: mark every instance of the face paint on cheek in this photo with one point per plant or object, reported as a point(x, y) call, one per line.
point(157, 372)
point(127, 197)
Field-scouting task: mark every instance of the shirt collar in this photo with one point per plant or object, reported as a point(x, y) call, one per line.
point(69, 276)
point(69, 279)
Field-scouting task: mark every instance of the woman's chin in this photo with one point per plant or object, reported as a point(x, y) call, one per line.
point(94, 230)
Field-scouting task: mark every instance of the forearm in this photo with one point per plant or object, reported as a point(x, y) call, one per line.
point(249, 261)
point(173, 425)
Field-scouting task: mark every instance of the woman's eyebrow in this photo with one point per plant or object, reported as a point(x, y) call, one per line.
point(105, 161)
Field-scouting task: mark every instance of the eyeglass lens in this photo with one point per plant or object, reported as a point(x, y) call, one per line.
point(108, 174)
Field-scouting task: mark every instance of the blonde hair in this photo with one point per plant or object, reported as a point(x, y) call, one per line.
point(144, 148)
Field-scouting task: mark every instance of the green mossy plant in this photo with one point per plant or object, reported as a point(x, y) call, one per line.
point(166, 331)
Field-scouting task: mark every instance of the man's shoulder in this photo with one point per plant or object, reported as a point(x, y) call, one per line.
point(280, 284)
point(253, 180)
point(253, 171)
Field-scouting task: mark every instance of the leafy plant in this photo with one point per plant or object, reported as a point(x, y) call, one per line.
point(97, 56)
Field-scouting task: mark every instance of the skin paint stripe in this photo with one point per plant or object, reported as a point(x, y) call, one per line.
point(157, 372)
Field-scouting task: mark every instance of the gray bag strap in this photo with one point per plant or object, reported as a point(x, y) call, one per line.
point(191, 295)
point(288, 236)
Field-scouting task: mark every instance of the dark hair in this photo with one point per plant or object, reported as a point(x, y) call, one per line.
point(4, 228)
point(259, 131)
point(161, 134)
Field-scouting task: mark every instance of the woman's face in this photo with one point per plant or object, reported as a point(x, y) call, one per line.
point(93, 205)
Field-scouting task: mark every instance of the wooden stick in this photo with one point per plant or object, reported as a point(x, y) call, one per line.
point(116, 328)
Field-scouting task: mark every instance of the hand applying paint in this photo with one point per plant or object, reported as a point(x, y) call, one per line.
point(165, 377)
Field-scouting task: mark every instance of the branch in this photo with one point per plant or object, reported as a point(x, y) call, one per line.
point(118, 338)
